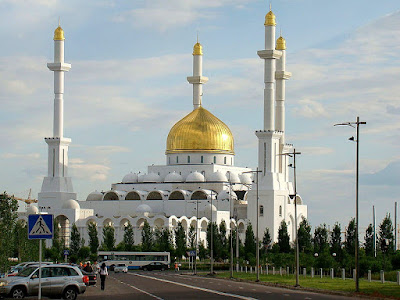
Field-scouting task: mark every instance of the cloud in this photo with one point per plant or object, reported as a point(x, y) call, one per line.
point(393, 110)
point(310, 109)
point(93, 172)
point(316, 150)
point(19, 156)
point(388, 176)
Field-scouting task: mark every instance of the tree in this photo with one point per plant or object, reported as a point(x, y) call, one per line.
point(369, 241)
point(266, 241)
point(25, 249)
point(192, 237)
point(222, 242)
point(350, 242)
point(180, 240)
point(8, 217)
point(93, 237)
point(320, 239)
point(55, 253)
point(304, 236)
point(283, 238)
point(336, 240)
point(108, 238)
point(386, 235)
point(215, 233)
point(147, 237)
point(129, 238)
point(75, 244)
point(249, 242)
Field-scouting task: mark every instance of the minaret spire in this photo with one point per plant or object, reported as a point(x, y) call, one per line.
point(197, 79)
point(57, 186)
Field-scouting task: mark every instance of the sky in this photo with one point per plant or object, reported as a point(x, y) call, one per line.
point(127, 87)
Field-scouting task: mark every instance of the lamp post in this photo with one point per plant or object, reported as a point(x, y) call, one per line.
point(212, 238)
point(230, 225)
point(197, 236)
point(293, 154)
point(257, 238)
point(357, 139)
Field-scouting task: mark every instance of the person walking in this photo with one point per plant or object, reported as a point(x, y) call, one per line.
point(103, 275)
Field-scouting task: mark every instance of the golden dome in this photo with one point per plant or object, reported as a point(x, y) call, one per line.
point(270, 19)
point(59, 34)
point(198, 49)
point(200, 131)
point(280, 43)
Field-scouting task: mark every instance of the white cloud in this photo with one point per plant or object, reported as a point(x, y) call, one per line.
point(19, 156)
point(310, 109)
point(93, 172)
point(316, 150)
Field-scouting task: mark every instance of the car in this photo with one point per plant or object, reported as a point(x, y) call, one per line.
point(56, 280)
point(155, 266)
point(15, 269)
point(121, 268)
point(92, 277)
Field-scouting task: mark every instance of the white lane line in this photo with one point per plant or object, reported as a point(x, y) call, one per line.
point(140, 290)
point(286, 295)
point(197, 288)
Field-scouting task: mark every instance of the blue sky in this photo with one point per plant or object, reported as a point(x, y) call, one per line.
point(127, 87)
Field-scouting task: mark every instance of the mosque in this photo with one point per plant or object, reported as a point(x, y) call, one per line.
point(199, 182)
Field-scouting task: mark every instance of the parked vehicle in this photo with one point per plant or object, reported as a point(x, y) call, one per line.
point(56, 280)
point(155, 266)
point(15, 269)
point(133, 260)
point(92, 277)
point(121, 268)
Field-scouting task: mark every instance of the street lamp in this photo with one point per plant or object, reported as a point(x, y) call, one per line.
point(293, 154)
point(197, 237)
point(230, 222)
point(257, 213)
point(212, 237)
point(351, 124)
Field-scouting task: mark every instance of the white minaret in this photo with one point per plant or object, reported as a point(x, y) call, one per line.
point(197, 79)
point(57, 186)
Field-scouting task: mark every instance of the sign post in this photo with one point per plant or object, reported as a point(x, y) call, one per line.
point(40, 227)
point(66, 253)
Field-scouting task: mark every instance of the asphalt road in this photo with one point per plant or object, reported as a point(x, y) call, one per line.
point(174, 286)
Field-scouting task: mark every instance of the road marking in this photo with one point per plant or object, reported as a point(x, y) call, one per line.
point(197, 288)
point(268, 292)
point(286, 295)
point(307, 298)
point(140, 290)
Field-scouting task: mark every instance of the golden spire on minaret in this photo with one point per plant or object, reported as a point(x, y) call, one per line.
point(280, 43)
point(198, 48)
point(59, 33)
point(270, 18)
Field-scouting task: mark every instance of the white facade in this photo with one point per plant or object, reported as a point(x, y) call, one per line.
point(171, 193)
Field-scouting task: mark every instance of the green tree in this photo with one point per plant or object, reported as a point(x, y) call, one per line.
point(8, 217)
point(215, 238)
point(75, 244)
point(369, 241)
point(24, 249)
point(249, 242)
point(350, 241)
point(192, 237)
point(283, 238)
point(266, 241)
point(129, 238)
point(55, 252)
point(93, 237)
point(336, 240)
point(108, 238)
point(147, 237)
point(386, 237)
point(304, 236)
point(222, 242)
point(180, 241)
point(165, 240)
point(320, 239)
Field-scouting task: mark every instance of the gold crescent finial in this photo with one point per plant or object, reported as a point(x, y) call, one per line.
point(59, 21)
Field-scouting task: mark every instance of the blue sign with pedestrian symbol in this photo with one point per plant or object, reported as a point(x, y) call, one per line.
point(66, 252)
point(40, 227)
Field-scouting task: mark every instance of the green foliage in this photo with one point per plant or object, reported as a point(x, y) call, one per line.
point(222, 247)
point(24, 249)
point(180, 241)
point(283, 238)
point(336, 241)
point(108, 238)
point(93, 237)
point(8, 217)
point(192, 237)
point(163, 240)
point(369, 241)
point(266, 241)
point(84, 253)
point(320, 239)
point(215, 238)
point(249, 242)
point(203, 253)
point(304, 236)
point(147, 237)
point(350, 242)
point(75, 244)
point(129, 238)
point(386, 237)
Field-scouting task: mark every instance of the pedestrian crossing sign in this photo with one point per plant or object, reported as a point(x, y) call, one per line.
point(40, 226)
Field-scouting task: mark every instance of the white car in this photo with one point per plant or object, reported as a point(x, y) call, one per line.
point(121, 268)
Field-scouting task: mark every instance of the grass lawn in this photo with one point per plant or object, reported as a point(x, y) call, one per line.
point(372, 288)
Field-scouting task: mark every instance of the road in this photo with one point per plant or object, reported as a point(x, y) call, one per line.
point(175, 286)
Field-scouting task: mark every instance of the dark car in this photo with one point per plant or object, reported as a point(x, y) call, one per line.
point(155, 266)
point(92, 277)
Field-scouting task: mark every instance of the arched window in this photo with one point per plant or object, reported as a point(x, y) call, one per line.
point(280, 210)
point(215, 159)
point(261, 210)
point(202, 159)
point(188, 159)
point(225, 160)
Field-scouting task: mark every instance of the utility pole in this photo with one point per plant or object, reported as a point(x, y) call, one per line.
point(212, 238)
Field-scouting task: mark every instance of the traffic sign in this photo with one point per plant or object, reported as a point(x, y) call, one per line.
point(40, 227)
point(191, 253)
point(66, 252)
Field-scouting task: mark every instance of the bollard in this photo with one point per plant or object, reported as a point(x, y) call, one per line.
point(251, 269)
point(312, 272)
point(343, 274)
point(304, 272)
point(369, 276)
point(382, 276)
point(273, 270)
point(398, 278)
point(332, 274)
point(241, 269)
point(246, 269)
point(287, 271)
point(260, 269)
point(354, 274)
point(266, 269)
point(320, 271)
point(280, 271)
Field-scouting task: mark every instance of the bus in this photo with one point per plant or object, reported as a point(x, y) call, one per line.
point(133, 260)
